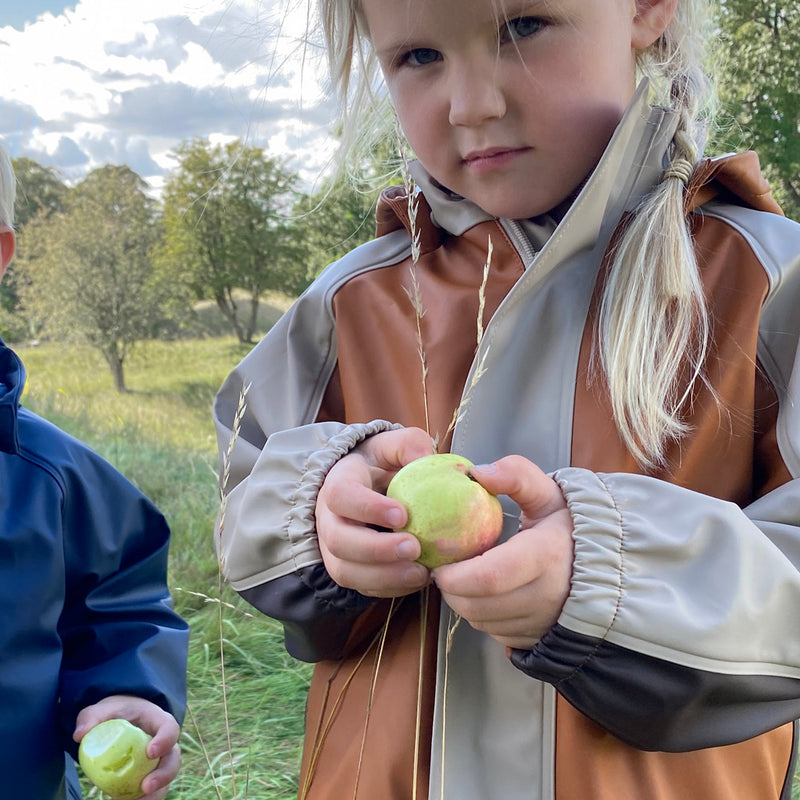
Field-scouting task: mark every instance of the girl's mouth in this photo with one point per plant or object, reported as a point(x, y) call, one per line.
point(492, 157)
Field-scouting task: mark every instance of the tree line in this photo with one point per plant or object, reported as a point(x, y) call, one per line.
point(103, 262)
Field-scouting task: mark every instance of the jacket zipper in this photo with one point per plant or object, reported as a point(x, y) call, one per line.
point(520, 240)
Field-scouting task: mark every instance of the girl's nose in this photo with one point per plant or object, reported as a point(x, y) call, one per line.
point(475, 96)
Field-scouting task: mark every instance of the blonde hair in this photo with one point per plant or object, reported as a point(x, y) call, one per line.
point(8, 190)
point(653, 326)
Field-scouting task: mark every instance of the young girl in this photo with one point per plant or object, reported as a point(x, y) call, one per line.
point(635, 634)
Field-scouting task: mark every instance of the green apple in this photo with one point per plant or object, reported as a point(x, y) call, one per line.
point(113, 757)
point(451, 514)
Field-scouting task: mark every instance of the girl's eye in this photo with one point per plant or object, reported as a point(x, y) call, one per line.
point(421, 56)
point(520, 28)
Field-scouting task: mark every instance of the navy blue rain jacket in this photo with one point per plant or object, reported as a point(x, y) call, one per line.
point(84, 607)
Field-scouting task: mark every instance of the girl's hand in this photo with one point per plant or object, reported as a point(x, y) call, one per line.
point(352, 504)
point(515, 591)
point(152, 719)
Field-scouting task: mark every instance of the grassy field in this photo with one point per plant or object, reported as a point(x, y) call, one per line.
point(161, 436)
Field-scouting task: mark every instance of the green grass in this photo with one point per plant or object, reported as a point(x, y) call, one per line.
point(160, 435)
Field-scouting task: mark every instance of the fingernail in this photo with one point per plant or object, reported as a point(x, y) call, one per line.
point(416, 575)
point(484, 469)
point(394, 518)
point(407, 549)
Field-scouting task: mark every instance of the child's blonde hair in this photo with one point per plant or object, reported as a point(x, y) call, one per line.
point(8, 190)
point(653, 323)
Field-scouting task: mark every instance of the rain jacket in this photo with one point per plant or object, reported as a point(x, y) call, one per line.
point(85, 609)
point(673, 671)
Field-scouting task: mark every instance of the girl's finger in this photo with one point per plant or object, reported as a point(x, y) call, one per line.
point(392, 450)
point(352, 500)
point(535, 492)
point(545, 551)
point(350, 541)
point(393, 580)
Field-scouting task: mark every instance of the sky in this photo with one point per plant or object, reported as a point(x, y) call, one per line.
point(93, 82)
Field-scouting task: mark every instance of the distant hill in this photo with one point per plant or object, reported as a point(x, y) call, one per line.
point(210, 322)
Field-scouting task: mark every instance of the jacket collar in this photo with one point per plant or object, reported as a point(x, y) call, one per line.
point(12, 382)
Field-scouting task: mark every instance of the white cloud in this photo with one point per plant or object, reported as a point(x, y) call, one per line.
point(91, 87)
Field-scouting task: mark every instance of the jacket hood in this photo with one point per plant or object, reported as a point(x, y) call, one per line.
point(12, 382)
point(735, 178)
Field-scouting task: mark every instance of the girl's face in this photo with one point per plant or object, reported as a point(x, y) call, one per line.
point(509, 103)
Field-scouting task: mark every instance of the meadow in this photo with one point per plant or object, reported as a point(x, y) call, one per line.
point(160, 434)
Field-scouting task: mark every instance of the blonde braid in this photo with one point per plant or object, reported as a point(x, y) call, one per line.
point(653, 327)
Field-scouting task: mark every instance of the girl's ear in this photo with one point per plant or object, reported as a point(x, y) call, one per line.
point(7, 245)
point(652, 18)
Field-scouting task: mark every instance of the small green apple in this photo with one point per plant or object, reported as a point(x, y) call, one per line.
point(113, 756)
point(451, 514)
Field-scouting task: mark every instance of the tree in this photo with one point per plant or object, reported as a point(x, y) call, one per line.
point(39, 192)
point(89, 269)
point(760, 87)
point(225, 228)
point(341, 215)
point(333, 221)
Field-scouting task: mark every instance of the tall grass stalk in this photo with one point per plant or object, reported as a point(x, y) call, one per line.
point(322, 732)
point(226, 472)
point(453, 622)
point(372, 687)
point(479, 370)
point(203, 748)
point(415, 295)
point(423, 627)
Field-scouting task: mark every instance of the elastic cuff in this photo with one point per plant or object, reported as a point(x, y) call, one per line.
point(599, 538)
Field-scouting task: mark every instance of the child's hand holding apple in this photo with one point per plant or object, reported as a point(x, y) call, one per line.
point(515, 591)
point(128, 747)
point(356, 521)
